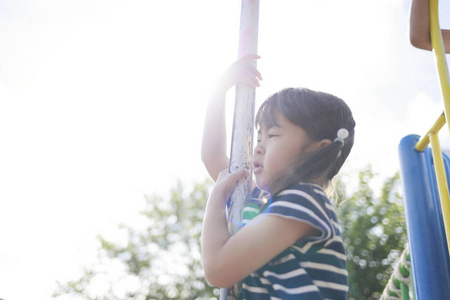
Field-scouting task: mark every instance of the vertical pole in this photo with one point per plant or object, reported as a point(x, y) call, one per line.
point(244, 111)
point(441, 180)
point(439, 55)
point(430, 263)
point(444, 80)
point(243, 124)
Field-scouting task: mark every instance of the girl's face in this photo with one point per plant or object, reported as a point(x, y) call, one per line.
point(277, 147)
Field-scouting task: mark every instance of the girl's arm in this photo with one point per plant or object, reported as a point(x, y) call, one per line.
point(419, 27)
point(214, 142)
point(229, 259)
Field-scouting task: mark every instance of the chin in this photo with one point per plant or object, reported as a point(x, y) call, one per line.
point(262, 186)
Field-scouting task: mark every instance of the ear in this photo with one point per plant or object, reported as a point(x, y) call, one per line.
point(317, 145)
point(324, 143)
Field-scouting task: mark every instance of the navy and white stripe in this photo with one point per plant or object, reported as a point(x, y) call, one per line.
point(312, 268)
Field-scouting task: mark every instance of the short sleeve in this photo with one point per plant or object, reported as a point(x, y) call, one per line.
point(305, 203)
point(253, 206)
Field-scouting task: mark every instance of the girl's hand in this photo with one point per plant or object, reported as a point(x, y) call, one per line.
point(227, 181)
point(241, 71)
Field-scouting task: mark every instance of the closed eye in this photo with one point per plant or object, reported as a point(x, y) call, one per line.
point(272, 135)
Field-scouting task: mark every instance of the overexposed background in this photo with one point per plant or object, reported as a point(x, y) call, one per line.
point(102, 101)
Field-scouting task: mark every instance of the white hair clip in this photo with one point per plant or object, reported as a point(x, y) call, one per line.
point(342, 134)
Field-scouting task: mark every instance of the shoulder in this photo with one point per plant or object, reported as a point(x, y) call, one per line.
point(305, 195)
point(306, 203)
point(304, 188)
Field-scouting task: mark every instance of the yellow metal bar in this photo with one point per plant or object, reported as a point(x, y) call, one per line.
point(439, 53)
point(425, 140)
point(441, 182)
point(441, 64)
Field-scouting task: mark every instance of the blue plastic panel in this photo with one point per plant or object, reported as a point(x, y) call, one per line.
point(426, 234)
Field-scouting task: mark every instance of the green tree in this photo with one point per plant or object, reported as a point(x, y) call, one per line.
point(160, 260)
point(374, 234)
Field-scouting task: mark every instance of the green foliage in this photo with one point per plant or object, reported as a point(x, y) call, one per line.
point(160, 259)
point(374, 233)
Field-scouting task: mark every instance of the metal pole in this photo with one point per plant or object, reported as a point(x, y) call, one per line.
point(439, 55)
point(243, 124)
point(444, 80)
point(441, 180)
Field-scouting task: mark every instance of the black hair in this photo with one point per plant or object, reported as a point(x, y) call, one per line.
point(321, 115)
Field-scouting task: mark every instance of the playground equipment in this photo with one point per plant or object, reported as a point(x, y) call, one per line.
point(400, 281)
point(243, 124)
point(424, 172)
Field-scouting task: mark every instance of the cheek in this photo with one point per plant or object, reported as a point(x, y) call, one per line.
point(280, 159)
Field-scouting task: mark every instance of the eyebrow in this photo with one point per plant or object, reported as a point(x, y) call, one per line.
point(265, 127)
point(268, 128)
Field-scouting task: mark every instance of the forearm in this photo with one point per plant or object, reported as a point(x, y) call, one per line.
point(215, 235)
point(419, 25)
point(214, 142)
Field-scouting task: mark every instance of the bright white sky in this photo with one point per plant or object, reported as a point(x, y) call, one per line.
point(102, 101)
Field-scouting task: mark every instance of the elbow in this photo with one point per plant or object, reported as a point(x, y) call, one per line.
point(420, 42)
point(214, 280)
point(217, 281)
point(218, 277)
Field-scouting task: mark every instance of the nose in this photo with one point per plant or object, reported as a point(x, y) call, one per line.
point(259, 149)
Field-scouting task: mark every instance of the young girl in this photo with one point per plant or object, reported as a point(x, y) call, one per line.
point(419, 27)
point(293, 248)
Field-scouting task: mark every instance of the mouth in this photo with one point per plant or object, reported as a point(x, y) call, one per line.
point(257, 168)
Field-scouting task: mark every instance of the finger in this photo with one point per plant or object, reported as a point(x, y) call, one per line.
point(258, 74)
point(250, 68)
point(239, 174)
point(249, 78)
point(249, 57)
point(255, 72)
point(250, 83)
point(230, 179)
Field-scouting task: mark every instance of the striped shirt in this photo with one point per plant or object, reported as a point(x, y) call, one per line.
point(312, 268)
